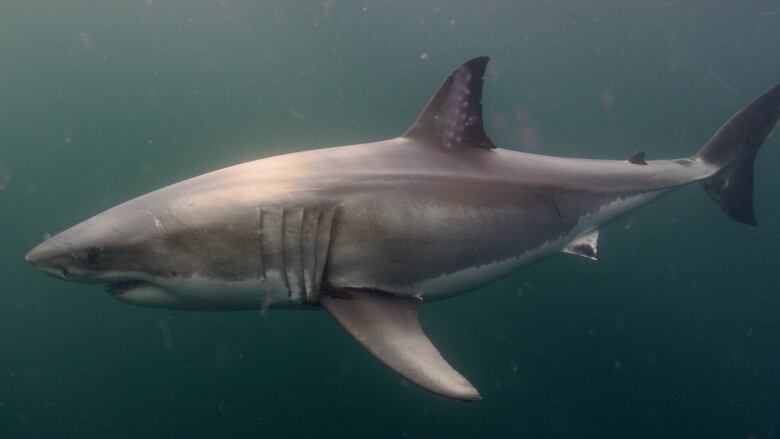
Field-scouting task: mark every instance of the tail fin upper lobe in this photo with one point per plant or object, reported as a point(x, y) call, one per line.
point(733, 150)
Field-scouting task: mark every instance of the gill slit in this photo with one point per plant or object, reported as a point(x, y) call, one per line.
point(284, 254)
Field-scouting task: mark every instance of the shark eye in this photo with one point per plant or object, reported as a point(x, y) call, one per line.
point(92, 254)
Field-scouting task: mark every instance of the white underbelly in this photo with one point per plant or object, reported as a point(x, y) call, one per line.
point(471, 278)
point(204, 294)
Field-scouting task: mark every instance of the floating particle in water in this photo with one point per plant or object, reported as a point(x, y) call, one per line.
point(677, 59)
point(5, 177)
point(297, 114)
point(265, 304)
point(328, 7)
point(424, 56)
point(559, 422)
point(722, 82)
point(526, 132)
point(523, 287)
point(498, 121)
point(85, 40)
point(67, 135)
point(25, 305)
point(607, 98)
point(492, 72)
point(166, 333)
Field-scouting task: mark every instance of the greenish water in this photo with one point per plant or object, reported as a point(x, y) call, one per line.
point(674, 333)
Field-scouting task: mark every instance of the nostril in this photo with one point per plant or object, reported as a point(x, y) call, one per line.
point(64, 272)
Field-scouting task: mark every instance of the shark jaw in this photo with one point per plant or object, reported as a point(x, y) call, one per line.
point(138, 292)
point(118, 288)
point(198, 293)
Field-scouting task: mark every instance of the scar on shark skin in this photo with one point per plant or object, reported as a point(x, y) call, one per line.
point(158, 224)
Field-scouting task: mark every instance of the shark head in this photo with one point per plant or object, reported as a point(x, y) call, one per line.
point(122, 248)
point(210, 243)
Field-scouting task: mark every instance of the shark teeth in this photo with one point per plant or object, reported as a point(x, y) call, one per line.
point(117, 288)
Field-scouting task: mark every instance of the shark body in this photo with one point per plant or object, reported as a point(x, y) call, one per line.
point(369, 232)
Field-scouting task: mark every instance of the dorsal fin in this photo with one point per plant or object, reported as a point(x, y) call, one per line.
point(453, 117)
point(638, 158)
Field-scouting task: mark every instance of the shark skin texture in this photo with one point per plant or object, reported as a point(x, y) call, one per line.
point(371, 232)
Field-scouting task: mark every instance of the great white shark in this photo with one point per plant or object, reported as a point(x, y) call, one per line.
point(370, 232)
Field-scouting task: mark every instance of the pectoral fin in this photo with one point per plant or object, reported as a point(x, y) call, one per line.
point(387, 326)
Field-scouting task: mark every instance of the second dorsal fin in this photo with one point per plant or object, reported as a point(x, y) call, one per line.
point(453, 117)
point(638, 158)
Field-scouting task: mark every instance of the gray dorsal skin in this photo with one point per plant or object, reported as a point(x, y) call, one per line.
point(372, 231)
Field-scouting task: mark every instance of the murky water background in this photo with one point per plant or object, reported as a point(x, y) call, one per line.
point(674, 333)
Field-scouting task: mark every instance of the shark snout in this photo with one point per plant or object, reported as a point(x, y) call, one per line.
point(47, 257)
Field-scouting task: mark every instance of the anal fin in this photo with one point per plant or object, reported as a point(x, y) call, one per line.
point(387, 326)
point(585, 246)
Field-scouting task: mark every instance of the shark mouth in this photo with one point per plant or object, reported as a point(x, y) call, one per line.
point(121, 287)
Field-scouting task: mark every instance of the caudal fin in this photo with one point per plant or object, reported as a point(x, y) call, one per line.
point(733, 150)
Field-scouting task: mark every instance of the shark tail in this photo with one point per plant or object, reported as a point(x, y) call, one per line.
point(732, 152)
